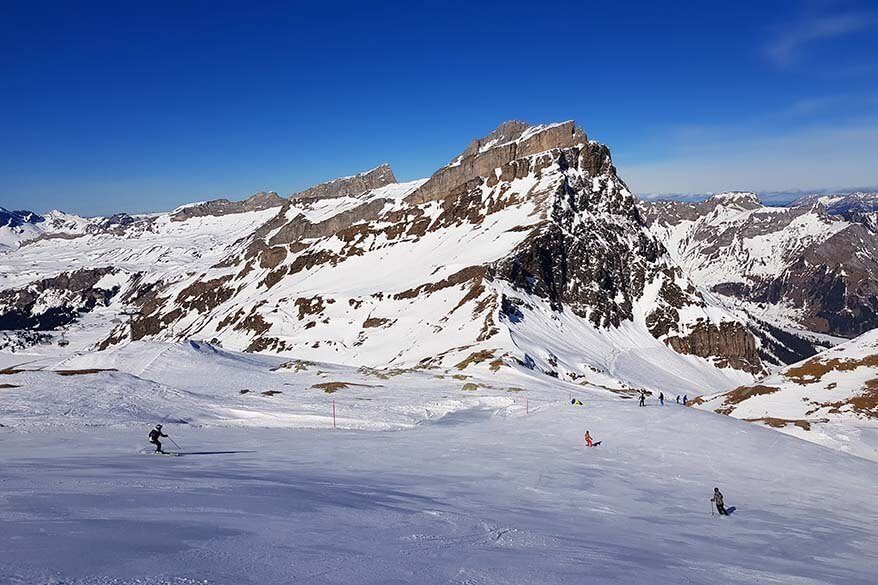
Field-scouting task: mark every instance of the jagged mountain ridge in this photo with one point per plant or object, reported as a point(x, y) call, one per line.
point(856, 207)
point(798, 266)
point(488, 255)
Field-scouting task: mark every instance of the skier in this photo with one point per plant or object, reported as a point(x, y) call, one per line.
point(685, 400)
point(589, 442)
point(662, 398)
point(575, 402)
point(718, 500)
point(678, 399)
point(643, 398)
point(154, 436)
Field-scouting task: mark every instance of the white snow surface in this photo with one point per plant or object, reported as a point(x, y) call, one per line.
point(55, 222)
point(422, 481)
point(822, 391)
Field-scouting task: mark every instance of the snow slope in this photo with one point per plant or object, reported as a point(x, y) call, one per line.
point(484, 496)
point(830, 399)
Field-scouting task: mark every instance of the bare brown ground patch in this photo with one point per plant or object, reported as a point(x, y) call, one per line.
point(459, 277)
point(814, 369)
point(271, 392)
point(295, 365)
point(475, 359)
point(470, 387)
point(8, 386)
point(332, 387)
point(864, 404)
point(385, 374)
point(780, 423)
point(84, 372)
point(740, 394)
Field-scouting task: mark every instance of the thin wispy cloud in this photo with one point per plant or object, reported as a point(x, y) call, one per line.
point(787, 47)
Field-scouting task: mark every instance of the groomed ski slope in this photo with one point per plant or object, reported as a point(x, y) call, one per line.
point(481, 495)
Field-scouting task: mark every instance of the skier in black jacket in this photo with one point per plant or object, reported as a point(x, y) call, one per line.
point(718, 500)
point(154, 436)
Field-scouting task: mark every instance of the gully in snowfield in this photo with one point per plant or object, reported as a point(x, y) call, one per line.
point(154, 436)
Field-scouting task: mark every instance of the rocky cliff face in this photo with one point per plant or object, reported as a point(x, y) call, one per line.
point(380, 176)
point(257, 202)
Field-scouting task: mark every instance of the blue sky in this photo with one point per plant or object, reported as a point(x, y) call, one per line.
point(142, 106)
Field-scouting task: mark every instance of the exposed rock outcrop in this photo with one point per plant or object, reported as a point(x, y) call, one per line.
point(353, 186)
point(509, 142)
point(731, 344)
point(258, 202)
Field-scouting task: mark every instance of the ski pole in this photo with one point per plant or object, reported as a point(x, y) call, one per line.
point(175, 443)
point(711, 508)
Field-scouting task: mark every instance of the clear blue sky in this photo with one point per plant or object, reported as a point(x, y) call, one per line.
point(141, 106)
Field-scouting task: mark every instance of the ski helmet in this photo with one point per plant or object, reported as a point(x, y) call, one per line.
point(158, 426)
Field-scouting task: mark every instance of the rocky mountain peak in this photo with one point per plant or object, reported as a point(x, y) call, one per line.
point(263, 200)
point(509, 142)
point(352, 186)
point(740, 199)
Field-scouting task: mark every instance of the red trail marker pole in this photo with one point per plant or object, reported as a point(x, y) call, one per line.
point(333, 413)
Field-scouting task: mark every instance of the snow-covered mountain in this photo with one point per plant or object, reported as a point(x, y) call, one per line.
point(831, 398)
point(527, 248)
point(856, 207)
point(798, 266)
point(17, 227)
